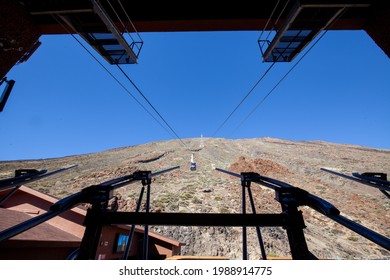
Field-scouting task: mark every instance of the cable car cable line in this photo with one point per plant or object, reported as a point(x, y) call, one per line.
point(174, 135)
point(151, 105)
point(250, 91)
point(289, 71)
point(266, 72)
point(127, 76)
point(269, 93)
point(245, 97)
point(278, 83)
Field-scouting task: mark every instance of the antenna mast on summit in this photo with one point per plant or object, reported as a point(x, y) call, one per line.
point(201, 145)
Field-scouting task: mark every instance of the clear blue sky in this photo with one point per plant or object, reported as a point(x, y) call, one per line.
point(64, 103)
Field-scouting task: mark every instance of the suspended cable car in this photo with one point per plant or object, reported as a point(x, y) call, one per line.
point(193, 166)
point(192, 163)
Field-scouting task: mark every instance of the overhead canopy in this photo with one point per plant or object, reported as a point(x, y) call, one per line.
point(190, 16)
point(23, 21)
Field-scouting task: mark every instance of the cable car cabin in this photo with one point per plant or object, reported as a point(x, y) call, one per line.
point(193, 166)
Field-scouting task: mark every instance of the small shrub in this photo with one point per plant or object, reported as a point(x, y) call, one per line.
point(223, 209)
point(352, 238)
point(186, 196)
point(196, 200)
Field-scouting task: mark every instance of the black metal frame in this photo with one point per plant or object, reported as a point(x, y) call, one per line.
point(25, 176)
point(337, 9)
point(290, 218)
point(6, 92)
point(373, 179)
point(291, 198)
point(114, 48)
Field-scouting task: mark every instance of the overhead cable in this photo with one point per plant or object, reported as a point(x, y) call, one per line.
point(277, 84)
point(289, 71)
point(245, 97)
point(151, 105)
point(266, 72)
point(113, 76)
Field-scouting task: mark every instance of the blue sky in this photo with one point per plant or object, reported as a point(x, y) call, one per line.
point(64, 103)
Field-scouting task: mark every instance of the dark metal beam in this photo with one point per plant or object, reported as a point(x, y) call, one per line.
point(193, 16)
point(57, 12)
point(7, 91)
point(191, 219)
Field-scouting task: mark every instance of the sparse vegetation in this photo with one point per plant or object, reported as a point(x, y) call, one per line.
point(224, 209)
point(208, 191)
point(186, 196)
point(196, 200)
point(352, 238)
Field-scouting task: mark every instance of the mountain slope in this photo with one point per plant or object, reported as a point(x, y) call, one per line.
point(208, 191)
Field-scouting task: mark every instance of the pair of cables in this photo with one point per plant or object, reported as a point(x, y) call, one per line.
point(160, 119)
point(270, 67)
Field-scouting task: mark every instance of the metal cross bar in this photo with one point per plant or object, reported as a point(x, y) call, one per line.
point(189, 219)
point(114, 30)
point(24, 176)
point(6, 93)
point(30, 175)
point(372, 182)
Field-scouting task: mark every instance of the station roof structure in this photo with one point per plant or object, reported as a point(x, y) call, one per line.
point(104, 23)
point(165, 16)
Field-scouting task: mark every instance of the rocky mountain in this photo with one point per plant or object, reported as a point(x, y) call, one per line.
point(209, 191)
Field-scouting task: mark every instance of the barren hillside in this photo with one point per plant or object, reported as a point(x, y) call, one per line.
point(208, 191)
